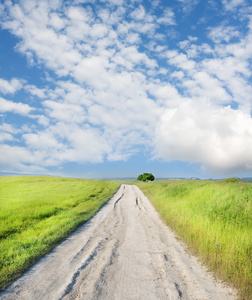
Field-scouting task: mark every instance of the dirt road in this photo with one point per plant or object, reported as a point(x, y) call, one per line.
point(125, 252)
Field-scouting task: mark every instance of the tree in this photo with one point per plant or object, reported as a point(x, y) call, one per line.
point(140, 177)
point(146, 177)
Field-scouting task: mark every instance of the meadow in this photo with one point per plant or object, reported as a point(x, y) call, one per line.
point(36, 213)
point(214, 220)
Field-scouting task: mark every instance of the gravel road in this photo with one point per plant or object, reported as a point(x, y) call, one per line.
point(125, 252)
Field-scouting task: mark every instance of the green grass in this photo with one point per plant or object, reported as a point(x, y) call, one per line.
point(214, 219)
point(36, 213)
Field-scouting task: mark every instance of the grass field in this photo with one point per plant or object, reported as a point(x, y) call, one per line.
point(214, 219)
point(36, 213)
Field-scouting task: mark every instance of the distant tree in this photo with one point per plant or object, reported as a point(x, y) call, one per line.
point(140, 177)
point(146, 177)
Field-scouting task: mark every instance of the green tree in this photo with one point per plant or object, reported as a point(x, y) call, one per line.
point(140, 177)
point(146, 177)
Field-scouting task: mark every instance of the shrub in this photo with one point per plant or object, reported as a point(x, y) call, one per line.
point(233, 179)
point(146, 177)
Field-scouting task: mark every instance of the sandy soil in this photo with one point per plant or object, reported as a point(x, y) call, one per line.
point(125, 252)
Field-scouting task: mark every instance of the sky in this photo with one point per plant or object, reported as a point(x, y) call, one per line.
point(115, 88)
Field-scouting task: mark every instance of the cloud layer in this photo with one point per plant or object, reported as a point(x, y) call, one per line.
point(121, 78)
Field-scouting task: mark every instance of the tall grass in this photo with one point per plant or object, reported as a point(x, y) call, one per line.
point(214, 219)
point(36, 213)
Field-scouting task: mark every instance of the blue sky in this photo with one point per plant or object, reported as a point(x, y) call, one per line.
point(115, 88)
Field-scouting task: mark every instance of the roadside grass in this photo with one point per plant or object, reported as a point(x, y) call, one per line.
point(214, 219)
point(37, 212)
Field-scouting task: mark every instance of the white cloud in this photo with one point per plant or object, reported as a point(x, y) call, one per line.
point(57, 22)
point(203, 85)
point(166, 95)
point(231, 71)
point(133, 38)
point(79, 20)
point(219, 138)
point(232, 4)
point(42, 120)
point(184, 44)
point(15, 107)
point(8, 133)
point(192, 38)
point(34, 91)
point(112, 18)
point(4, 136)
point(70, 143)
point(38, 39)
point(5, 127)
point(42, 140)
point(139, 13)
point(16, 159)
point(188, 5)
point(98, 31)
point(83, 1)
point(168, 17)
point(178, 74)
point(10, 87)
point(92, 71)
point(65, 112)
point(130, 57)
point(88, 145)
point(223, 33)
point(114, 2)
point(180, 60)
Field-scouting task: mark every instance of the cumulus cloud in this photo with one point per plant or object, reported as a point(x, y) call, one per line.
point(5, 137)
point(18, 108)
point(223, 33)
point(203, 85)
point(168, 17)
point(7, 133)
point(219, 138)
point(10, 87)
point(232, 4)
point(65, 112)
point(88, 145)
point(180, 60)
point(188, 5)
point(42, 140)
point(16, 159)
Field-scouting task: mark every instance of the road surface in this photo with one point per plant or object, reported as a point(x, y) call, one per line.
point(124, 253)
